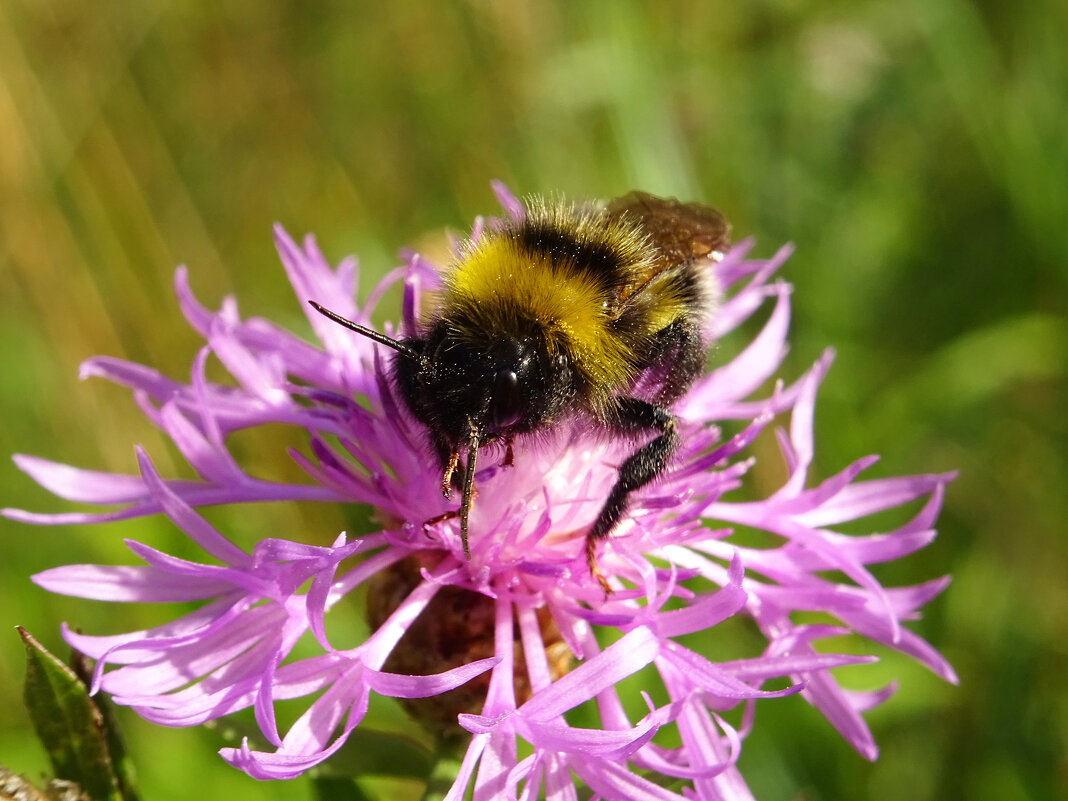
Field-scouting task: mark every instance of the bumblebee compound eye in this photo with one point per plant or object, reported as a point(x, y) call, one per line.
point(505, 407)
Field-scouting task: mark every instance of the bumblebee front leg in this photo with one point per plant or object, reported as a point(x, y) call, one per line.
point(632, 416)
point(449, 459)
point(509, 455)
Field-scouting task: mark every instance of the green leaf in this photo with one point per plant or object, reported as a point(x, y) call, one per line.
point(121, 763)
point(68, 723)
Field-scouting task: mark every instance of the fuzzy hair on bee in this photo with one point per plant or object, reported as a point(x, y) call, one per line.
point(573, 310)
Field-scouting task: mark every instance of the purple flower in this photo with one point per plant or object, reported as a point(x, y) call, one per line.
point(527, 636)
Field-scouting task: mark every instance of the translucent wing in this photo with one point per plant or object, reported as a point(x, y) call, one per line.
point(683, 232)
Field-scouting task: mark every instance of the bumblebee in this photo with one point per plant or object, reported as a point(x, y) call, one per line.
point(575, 310)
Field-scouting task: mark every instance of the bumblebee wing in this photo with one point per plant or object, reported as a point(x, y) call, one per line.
point(683, 232)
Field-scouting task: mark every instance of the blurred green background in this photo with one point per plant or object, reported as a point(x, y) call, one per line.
point(916, 153)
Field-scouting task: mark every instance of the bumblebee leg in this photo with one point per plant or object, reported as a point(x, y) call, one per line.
point(450, 471)
point(632, 416)
point(678, 347)
point(591, 563)
point(449, 459)
point(429, 524)
point(451, 515)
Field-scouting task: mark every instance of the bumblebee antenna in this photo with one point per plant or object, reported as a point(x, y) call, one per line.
point(370, 333)
point(469, 480)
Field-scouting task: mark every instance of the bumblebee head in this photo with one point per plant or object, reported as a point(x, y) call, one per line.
point(456, 386)
point(485, 387)
point(469, 391)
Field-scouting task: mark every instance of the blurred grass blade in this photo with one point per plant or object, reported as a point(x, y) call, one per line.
point(68, 723)
point(985, 361)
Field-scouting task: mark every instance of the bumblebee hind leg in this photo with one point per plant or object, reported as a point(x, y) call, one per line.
point(677, 349)
point(632, 416)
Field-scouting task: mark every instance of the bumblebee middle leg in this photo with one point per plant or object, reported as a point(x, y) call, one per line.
point(632, 416)
point(678, 348)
